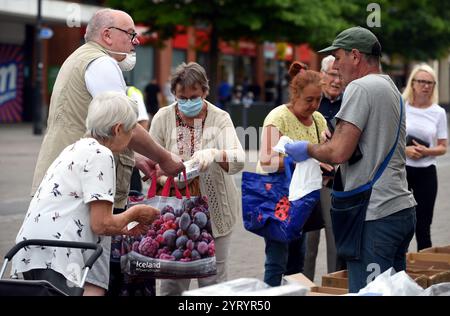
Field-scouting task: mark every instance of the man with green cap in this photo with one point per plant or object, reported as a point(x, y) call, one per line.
point(373, 213)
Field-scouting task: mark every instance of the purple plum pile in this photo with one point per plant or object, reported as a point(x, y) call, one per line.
point(179, 234)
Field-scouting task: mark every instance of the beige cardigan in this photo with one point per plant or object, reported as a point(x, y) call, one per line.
point(217, 184)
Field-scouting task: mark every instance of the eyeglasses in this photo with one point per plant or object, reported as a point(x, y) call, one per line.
point(132, 35)
point(334, 75)
point(424, 82)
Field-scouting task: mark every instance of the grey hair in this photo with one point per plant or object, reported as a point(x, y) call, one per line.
point(327, 62)
point(188, 76)
point(108, 109)
point(101, 19)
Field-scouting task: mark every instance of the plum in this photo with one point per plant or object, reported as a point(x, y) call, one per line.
point(188, 204)
point(177, 254)
point(202, 247)
point(193, 232)
point(178, 212)
point(166, 209)
point(190, 244)
point(185, 221)
point(181, 241)
point(206, 236)
point(169, 237)
point(168, 217)
point(200, 219)
point(195, 255)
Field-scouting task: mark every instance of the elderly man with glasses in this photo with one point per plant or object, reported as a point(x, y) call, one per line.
point(330, 104)
point(93, 68)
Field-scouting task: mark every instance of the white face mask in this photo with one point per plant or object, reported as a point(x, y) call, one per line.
point(127, 64)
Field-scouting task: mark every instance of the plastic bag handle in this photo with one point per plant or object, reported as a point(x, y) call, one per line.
point(166, 189)
point(188, 193)
point(168, 185)
point(152, 188)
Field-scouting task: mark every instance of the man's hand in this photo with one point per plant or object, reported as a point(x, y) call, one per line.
point(172, 166)
point(147, 166)
point(325, 136)
point(180, 184)
point(206, 157)
point(298, 151)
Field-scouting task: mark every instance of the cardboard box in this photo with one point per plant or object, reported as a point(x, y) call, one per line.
point(439, 277)
point(299, 278)
point(337, 279)
point(326, 291)
point(314, 289)
point(420, 279)
point(440, 250)
point(430, 260)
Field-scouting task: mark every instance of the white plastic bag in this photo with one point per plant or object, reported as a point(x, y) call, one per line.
point(307, 177)
point(441, 289)
point(390, 283)
point(248, 287)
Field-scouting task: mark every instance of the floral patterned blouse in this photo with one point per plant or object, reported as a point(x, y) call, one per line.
point(82, 173)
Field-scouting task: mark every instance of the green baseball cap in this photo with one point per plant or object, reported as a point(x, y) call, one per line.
point(356, 38)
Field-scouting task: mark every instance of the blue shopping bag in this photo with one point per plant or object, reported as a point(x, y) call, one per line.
point(266, 209)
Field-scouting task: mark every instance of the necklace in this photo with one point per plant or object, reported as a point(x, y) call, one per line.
point(189, 138)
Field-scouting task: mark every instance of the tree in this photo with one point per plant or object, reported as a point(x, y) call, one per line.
point(294, 21)
point(411, 29)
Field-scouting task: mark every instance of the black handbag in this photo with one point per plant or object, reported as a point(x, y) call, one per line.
point(348, 208)
point(409, 141)
point(315, 220)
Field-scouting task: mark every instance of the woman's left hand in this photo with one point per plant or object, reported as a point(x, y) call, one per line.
point(422, 150)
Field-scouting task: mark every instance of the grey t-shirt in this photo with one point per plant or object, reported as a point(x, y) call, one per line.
point(372, 104)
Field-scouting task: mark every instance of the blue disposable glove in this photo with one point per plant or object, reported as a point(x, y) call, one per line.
point(298, 151)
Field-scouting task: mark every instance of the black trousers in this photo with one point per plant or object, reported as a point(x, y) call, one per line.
point(423, 184)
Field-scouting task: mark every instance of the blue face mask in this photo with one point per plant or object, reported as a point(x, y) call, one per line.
point(189, 107)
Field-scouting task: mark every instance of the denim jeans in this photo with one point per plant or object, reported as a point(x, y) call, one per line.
point(385, 242)
point(283, 259)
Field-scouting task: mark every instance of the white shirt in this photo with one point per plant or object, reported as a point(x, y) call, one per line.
point(136, 97)
point(428, 124)
point(104, 74)
point(82, 173)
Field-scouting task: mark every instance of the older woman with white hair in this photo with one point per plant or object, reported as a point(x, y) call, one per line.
point(426, 129)
point(74, 201)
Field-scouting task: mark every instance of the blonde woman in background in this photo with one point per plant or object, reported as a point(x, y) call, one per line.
point(426, 129)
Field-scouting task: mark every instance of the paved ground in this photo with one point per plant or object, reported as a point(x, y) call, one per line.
point(18, 154)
